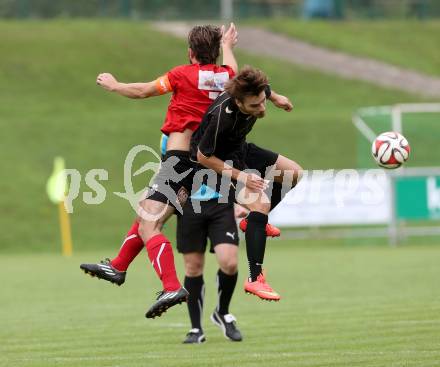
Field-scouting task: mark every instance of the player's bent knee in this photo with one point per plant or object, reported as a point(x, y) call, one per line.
point(299, 172)
point(193, 272)
point(290, 169)
point(298, 175)
point(227, 258)
point(259, 207)
point(194, 263)
point(152, 216)
point(229, 267)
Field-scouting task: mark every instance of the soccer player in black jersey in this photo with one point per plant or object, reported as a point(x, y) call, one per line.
point(205, 219)
point(220, 144)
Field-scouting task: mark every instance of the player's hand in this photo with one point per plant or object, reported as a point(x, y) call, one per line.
point(255, 182)
point(107, 81)
point(281, 102)
point(230, 37)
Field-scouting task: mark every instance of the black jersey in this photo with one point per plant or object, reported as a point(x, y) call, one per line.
point(223, 131)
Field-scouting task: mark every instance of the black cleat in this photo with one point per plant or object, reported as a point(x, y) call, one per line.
point(104, 270)
point(195, 336)
point(165, 300)
point(227, 324)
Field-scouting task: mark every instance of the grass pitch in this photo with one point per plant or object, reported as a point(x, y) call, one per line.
point(342, 306)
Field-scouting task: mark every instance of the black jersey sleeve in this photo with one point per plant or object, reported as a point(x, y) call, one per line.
point(215, 129)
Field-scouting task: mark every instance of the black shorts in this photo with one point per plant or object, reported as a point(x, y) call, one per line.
point(259, 158)
point(216, 221)
point(174, 180)
point(253, 158)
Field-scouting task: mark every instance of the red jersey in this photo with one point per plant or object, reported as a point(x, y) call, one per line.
point(194, 89)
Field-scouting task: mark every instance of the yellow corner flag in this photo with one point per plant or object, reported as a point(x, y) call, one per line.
point(56, 188)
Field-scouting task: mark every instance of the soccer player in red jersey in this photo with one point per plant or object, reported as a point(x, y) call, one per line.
point(193, 88)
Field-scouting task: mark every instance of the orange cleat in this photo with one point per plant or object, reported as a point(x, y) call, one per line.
point(271, 231)
point(261, 289)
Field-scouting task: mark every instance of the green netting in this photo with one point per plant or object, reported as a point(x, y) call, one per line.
point(423, 133)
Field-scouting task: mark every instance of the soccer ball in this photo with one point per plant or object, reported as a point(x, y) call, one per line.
point(390, 150)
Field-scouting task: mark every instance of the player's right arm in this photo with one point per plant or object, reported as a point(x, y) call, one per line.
point(229, 40)
point(134, 90)
point(251, 180)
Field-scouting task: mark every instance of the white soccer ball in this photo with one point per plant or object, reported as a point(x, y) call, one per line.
point(390, 150)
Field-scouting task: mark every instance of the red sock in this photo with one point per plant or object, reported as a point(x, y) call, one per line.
point(130, 248)
point(161, 256)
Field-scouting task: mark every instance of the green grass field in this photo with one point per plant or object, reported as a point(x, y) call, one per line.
point(52, 106)
point(341, 306)
point(410, 44)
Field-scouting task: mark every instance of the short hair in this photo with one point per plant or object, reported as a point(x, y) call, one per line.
point(248, 82)
point(204, 41)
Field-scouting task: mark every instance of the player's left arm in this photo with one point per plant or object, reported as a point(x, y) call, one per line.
point(280, 101)
point(134, 90)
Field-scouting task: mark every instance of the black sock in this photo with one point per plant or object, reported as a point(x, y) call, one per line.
point(276, 194)
point(225, 288)
point(196, 288)
point(255, 243)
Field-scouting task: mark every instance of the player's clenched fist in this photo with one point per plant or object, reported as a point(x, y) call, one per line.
point(107, 81)
point(281, 101)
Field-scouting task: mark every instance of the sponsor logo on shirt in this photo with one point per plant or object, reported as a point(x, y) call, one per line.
point(208, 80)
